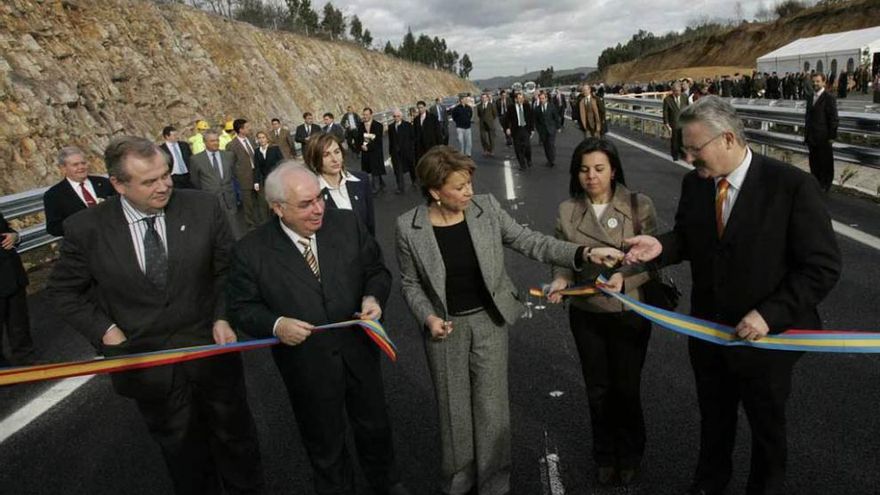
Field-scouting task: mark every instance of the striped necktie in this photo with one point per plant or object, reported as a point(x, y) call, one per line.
point(310, 257)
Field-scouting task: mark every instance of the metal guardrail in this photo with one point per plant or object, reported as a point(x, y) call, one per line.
point(863, 124)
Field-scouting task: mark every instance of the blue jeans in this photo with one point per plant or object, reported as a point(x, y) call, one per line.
point(464, 140)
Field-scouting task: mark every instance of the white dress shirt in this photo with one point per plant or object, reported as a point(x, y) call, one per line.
point(295, 238)
point(735, 181)
point(89, 187)
point(340, 193)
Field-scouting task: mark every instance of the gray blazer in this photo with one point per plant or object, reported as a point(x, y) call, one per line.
point(204, 176)
point(423, 273)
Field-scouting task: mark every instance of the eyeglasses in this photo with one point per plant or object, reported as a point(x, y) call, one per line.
point(693, 150)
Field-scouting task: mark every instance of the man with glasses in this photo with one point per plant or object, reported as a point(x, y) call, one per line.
point(312, 266)
point(763, 255)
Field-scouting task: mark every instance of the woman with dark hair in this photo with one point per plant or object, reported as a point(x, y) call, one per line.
point(340, 188)
point(451, 256)
point(611, 341)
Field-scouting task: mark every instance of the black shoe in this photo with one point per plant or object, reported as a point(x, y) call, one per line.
point(606, 475)
point(628, 475)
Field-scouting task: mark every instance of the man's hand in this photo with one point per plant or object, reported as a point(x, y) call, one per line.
point(752, 327)
point(257, 187)
point(614, 283)
point(9, 240)
point(642, 248)
point(558, 284)
point(114, 336)
point(370, 309)
point(291, 331)
point(507, 131)
point(439, 328)
point(606, 256)
point(223, 333)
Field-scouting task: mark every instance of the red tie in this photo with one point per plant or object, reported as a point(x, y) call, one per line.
point(90, 200)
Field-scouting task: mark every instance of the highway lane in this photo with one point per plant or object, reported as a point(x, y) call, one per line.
point(94, 441)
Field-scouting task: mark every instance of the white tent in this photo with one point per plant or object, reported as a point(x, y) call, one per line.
point(829, 53)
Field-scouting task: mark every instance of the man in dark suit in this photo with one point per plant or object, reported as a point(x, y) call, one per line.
point(402, 149)
point(763, 255)
point(178, 153)
point(212, 172)
point(520, 127)
point(439, 112)
point(144, 271)
point(246, 175)
point(332, 128)
point(280, 136)
point(486, 114)
point(306, 130)
point(310, 267)
point(672, 106)
point(547, 125)
point(820, 130)
point(13, 301)
point(77, 191)
point(558, 99)
point(502, 106)
point(427, 131)
point(350, 123)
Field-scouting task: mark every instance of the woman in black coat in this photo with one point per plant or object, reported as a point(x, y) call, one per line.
point(266, 157)
point(372, 155)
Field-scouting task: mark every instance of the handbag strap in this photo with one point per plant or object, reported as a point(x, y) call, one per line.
point(634, 206)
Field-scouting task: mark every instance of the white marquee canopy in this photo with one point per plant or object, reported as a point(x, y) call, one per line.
point(827, 53)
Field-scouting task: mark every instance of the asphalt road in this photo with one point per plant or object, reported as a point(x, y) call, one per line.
point(94, 441)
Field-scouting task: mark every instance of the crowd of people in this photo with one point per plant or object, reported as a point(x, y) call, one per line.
point(207, 240)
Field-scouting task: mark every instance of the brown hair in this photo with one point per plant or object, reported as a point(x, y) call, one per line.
point(314, 152)
point(121, 148)
point(438, 164)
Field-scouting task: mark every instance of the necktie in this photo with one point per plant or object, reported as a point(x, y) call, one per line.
point(544, 108)
point(310, 257)
point(250, 150)
point(217, 166)
point(87, 196)
point(155, 259)
point(308, 130)
point(503, 108)
point(178, 159)
point(519, 115)
point(720, 198)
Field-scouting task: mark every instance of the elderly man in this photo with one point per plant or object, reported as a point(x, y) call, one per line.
point(310, 267)
point(212, 171)
point(142, 272)
point(77, 191)
point(487, 115)
point(763, 255)
point(402, 149)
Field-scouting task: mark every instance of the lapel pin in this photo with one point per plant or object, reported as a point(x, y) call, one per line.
point(612, 223)
point(182, 228)
point(355, 197)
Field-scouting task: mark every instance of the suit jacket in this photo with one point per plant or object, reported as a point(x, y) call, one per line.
point(284, 141)
point(547, 122)
point(423, 273)
point(427, 135)
point(61, 201)
point(361, 199)
point(243, 164)
point(269, 278)
point(265, 165)
point(589, 117)
point(821, 120)
point(301, 136)
point(12, 275)
point(344, 121)
point(671, 111)
point(778, 254)
point(204, 176)
point(506, 103)
point(577, 222)
point(372, 159)
point(444, 115)
point(185, 153)
point(401, 143)
point(487, 116)
point(528, 115)
point(336, 130)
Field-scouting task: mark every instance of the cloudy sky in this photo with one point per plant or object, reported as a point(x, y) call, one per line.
point(504, 37)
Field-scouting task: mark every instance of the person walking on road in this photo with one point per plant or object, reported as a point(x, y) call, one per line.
point(463, 116)
point(487, 115)
point(820, 131)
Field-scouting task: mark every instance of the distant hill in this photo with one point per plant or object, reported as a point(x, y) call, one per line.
point(506, 81)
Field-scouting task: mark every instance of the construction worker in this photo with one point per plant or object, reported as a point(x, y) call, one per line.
point(197, 140)
point(228, 135)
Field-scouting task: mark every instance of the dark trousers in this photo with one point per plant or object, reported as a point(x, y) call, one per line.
point(321, 405)
point(507, 139)
point(822, 164)
point(549, 142)
point(522, 146)
point(402, 167)
point(675, 143)
point(351, 137)
point(612, 349)
point(14, 317)
point(444, 132)
point(181, 181)
point(205, 429)
point(761, 380)
point(487, 137)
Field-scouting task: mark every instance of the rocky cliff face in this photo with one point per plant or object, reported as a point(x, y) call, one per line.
point(81, 71)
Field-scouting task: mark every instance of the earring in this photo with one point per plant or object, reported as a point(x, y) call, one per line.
point(439, 204)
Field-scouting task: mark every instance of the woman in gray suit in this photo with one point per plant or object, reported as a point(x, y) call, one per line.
point(611, 342)
point(451, 256)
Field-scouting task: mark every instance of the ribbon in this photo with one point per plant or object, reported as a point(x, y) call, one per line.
point(717, 333)
point(27, 374)
point(583, 290)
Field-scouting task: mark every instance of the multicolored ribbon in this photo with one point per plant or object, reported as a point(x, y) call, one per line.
point(717, 333)
point(27, 374)
point(583, 290)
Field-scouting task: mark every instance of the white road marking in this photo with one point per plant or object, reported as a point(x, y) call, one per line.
point(40, 404)
point(842, 229)
point(508, 181)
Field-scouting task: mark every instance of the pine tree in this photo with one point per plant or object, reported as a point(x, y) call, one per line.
point(465, 66)
point(367, 38)
point(356, 30)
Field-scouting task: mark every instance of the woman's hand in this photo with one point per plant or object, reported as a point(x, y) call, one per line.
point(606, 256)
point(614, 283)
point(439, 328)
point(553, 295)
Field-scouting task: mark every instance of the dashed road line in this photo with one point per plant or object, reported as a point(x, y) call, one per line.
point(39, 405)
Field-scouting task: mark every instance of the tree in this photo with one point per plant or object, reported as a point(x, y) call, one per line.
point(333, 23)
point(465, 66)
point(356, 30)
point(389, 49)
point(367, 38)
point(407, 49)
point(308, 18)
point(788, 7)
